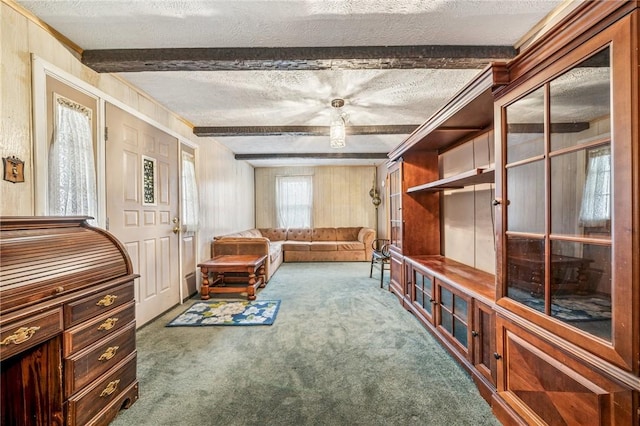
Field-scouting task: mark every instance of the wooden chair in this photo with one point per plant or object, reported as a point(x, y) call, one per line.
point(380, 255)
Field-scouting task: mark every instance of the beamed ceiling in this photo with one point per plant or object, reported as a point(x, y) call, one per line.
point(258, 76)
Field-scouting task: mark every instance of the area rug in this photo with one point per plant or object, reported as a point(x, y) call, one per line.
point(573, 308)
point(222, 312)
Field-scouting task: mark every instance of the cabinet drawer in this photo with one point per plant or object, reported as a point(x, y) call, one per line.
point(80, 336)
point(85, 366)
point(94, 305)
point(21, 335)
point(87, 403)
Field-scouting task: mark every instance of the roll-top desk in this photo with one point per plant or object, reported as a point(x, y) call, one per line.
point(67, 323)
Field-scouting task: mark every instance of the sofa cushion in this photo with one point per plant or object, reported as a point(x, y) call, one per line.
point(350, 245)
point(249, 233)
point(296, 245)
point(362, 233)
point(274, 234)
point(323, 234)
point(347, 234)
point(275, 250)
point(299, 234)
point(323, 246)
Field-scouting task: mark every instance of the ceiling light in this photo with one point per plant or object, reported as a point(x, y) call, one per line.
point(337, 125)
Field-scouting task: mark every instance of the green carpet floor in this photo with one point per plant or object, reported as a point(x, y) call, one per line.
point(342, 351)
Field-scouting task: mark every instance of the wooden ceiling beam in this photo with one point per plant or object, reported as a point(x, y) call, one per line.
point(295, 58)
point(220, 131)
point(318, 156)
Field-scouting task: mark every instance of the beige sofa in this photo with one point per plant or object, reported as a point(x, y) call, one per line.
point(298, 245)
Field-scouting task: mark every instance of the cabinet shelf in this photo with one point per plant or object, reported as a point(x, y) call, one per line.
point(471, 177)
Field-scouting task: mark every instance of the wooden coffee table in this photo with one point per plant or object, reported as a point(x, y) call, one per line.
point(252, 265)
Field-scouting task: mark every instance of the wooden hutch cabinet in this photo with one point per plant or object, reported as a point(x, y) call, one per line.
point(568, 287)
point(549, 327)
point(411, 215)
point(67, 323)
point(452, 299)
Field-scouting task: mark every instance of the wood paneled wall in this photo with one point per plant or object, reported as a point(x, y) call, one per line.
point(467, 214)
point(340, 195)
point(225, 184)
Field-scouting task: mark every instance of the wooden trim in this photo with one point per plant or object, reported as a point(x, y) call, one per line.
point(575, 29)
point(77, 50)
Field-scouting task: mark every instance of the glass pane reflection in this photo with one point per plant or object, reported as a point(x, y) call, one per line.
point(525, 191)
point(581, 286)
point(525, 127)
point(581, 193)
point(580, 103)
point(525, 271)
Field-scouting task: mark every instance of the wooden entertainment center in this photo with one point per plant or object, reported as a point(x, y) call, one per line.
point(67, 323)
point(549, 328)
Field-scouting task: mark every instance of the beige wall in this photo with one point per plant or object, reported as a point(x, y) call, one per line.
point(340, 195)
point(226, 185)
point(467, 213)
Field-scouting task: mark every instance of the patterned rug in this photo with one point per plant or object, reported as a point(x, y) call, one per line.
point(222, 312)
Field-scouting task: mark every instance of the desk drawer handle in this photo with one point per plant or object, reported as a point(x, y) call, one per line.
point(107, 300)
point(111, 388)
point(21, 335)
point(108, 324)
point(109, 353)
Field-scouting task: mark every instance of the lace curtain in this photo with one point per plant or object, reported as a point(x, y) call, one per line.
point(294, 197)
point(72, 172)
point(595, 210)
point(190, 204)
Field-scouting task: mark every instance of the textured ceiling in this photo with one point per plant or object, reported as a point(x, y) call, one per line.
point(271, 97)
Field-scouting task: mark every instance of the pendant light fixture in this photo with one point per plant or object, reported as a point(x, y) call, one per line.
point(337, 125)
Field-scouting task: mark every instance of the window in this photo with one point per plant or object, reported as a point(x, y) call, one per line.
point(190, 204)
point(294, 195)
point(72, 172)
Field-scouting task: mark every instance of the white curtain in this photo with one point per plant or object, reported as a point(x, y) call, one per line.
point(595, 210)
point(190, 204)
point(294, 195)
point(72, 172)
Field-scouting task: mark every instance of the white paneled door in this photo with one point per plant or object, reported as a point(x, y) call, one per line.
point(143, 206)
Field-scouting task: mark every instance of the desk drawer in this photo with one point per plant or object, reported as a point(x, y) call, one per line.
point(96, 304)
point(83, 406)
point(21, 335)
point(85, 366)
point(82, 335)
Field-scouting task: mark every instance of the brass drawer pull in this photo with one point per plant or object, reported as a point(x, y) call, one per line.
point(109, 353)
point(111, 388)
point(21, 335)
point(107, 300)
point(108, 324)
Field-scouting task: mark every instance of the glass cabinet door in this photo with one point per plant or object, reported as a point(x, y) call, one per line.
point(423, 291)
point(454, 317)
point(558, 183)
point(566, 191)
point(395, 205)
